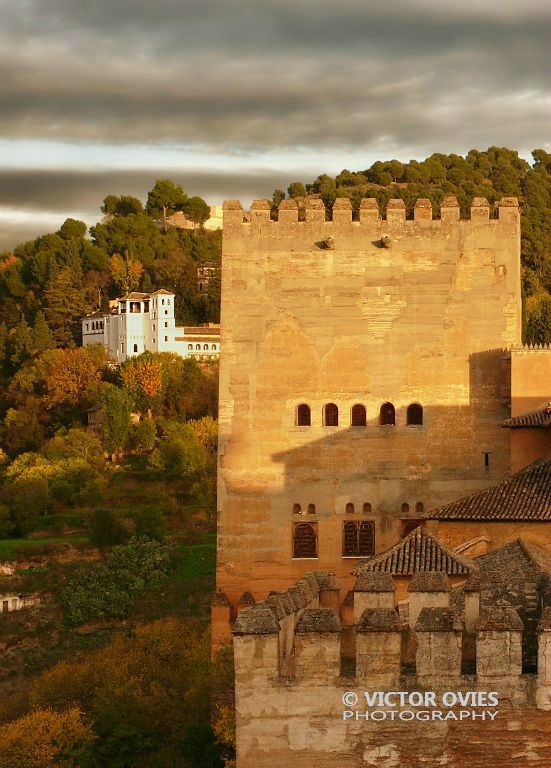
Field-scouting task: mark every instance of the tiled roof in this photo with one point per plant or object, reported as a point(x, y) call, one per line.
point(134, 296)
point(162, 292)
point(418, 551)
point(98, 313)
point(541, 417)
point(524, 496)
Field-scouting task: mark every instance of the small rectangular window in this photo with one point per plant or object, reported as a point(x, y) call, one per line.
point(486, 459)
point(166, 338)
point(166, 324)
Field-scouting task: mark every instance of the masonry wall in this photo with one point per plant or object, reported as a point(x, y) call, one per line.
point(453, 532)
point(344, 320)
point(530, 378)
point(290, 714)
point(530, 389)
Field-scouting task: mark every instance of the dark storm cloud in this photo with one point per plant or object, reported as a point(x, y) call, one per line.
point(425, 75)
point(62, 190)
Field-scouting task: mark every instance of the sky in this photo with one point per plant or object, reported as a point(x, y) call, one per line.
point(233, 98)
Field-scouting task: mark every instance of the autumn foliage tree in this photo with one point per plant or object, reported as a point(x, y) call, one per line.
point(46, 738)
point(143, 378)
point(125, 271)
point(146, 694)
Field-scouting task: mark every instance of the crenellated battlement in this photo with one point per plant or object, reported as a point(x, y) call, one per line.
point(292, 219)
point(293, 639)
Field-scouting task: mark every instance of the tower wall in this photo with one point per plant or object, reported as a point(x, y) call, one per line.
point(357, 312)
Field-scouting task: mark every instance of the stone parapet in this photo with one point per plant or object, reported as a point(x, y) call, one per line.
point(394, 216)
point(543, 692)
point(372, 589)
point(439, 640)
point(427, 590)
point(317, 645)
point(378, 647)
point(499, 643)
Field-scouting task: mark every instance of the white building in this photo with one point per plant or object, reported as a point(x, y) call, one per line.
point(143, 322)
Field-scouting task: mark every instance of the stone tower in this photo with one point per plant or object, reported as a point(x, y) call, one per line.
point(363, 378)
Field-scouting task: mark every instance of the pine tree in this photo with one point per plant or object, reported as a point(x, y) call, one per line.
point(65, 305)
point(21, 343)
point(42, 336)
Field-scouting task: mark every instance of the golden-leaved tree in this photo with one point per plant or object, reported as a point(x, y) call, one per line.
point(44, 739)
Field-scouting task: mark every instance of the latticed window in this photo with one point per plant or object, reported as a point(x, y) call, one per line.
point(304, 418)
point(415, 414)
point(359, 415)
point(331, 415)
point(358, 538)
point(387, 414)
point(305, 540)
point(419, 508)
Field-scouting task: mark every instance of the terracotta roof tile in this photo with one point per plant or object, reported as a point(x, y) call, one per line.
point(418, 551)
point(541, 417)
point(524, 496)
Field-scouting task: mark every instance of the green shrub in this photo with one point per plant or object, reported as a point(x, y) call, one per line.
point(110, 588)
point(149, 521)
point(141, 436)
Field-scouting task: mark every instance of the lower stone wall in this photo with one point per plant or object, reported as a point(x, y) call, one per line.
point(303, 725)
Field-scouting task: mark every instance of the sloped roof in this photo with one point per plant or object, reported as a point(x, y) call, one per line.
point(134, 296)
point(516, 562)
point(541, 417)
point(526, 495)
point(418, 551)
point(162, 292)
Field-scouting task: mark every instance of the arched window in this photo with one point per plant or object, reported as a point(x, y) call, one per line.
point(197, 346)
point(190, 346)
point(349, 509)
point(205, 346)
point(135, 347)
point(419, 508)
point(387, 414)
point(358, 538)
point(213, 346)
point(415, 414)
point(359, 416)
point(311, 509)
point(330, 415)
point(303, 415)
point(367, 508)
point(305, 540)
point(405, 508)
point(297, 509)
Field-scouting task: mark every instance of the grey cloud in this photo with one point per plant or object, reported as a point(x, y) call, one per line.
point(341, 102)
point(280, 74)
point(55, 190)
point(59, 192)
